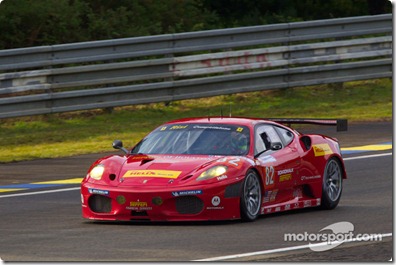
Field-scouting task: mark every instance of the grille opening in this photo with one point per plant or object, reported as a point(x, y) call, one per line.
point(233, 191)
point(99, 203)
point(308, 191)
point(189, 205)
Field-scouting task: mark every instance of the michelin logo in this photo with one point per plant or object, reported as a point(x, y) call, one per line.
point(96, 191)
point(186, 192)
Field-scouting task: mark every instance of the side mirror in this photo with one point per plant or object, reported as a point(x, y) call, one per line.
point(276, 146)
point(117, 144)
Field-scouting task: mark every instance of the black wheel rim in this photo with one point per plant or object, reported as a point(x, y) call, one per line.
point(252, 194)
point(333, 180)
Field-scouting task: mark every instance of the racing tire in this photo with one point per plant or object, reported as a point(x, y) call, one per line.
point(250, 202)
point(332, 184)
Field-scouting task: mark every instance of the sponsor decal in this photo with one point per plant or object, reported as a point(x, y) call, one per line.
point(239, 129)
point(215, 203)
point(163, 128)
point(307, 203)
point(285, 177)
point(186, 192)
point(222, 177)
point(286, 207)
point(140, 157)
point(138, 206)
point(179, 157)
point(270, 196)
point(171, 174)
point(215, 200)
point(96, 191)
point(322, 149)
point(178, 127)
point(310, 177)
point(233, 161)
point(285, 171)
point(285, 174)
point(212, 127)
point(267, 159)
point(215, 208)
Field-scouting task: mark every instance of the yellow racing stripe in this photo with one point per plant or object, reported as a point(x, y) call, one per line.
point(63, 181)
point(9, 190)
point(375, 147)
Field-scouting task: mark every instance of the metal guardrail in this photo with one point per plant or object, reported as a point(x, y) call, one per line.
point(112, 73)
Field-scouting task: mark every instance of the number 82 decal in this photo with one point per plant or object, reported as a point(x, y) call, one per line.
point(269, 176)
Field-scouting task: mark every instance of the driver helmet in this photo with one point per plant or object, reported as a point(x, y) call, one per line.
point(239, 142)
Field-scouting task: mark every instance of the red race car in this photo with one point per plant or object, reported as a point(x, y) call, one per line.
point(216, 168)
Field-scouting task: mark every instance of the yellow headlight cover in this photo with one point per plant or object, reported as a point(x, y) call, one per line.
point(212, 172)
point(97, 172)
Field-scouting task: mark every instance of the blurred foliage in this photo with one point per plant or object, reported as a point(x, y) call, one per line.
point(25, 23)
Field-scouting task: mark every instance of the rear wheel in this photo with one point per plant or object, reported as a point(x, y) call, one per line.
point(332, 184)
point(250, 197)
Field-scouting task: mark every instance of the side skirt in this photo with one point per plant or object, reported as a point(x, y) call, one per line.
point(290, 205)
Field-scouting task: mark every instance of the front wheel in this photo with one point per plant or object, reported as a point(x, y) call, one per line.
point(332, 184)
point(250, 197)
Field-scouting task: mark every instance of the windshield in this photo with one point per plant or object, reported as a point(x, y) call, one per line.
point(203, 139)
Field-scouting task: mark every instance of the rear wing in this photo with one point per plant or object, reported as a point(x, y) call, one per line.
point(342, 124)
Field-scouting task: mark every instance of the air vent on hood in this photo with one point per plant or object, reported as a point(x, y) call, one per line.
point(186, 177)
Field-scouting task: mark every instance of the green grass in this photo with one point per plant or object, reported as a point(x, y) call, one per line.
point(60, 135)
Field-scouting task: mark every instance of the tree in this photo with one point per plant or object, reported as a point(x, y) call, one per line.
point(25, 23)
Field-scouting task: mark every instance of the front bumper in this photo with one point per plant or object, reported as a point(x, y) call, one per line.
point(193, 203)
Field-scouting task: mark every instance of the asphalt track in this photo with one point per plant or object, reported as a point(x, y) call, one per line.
point(41, 216)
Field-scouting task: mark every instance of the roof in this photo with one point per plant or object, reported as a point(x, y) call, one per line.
point(221, 120)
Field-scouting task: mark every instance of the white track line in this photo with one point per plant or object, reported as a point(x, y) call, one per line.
point(367, 156)
point(38, 192)
point(279, 250)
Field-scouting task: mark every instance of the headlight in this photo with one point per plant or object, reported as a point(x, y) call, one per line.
point(213, 172)
point(97, 172)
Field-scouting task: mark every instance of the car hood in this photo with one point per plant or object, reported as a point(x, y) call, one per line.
point(160, 170)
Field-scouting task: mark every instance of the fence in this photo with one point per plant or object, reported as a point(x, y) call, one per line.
point(111, 73)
